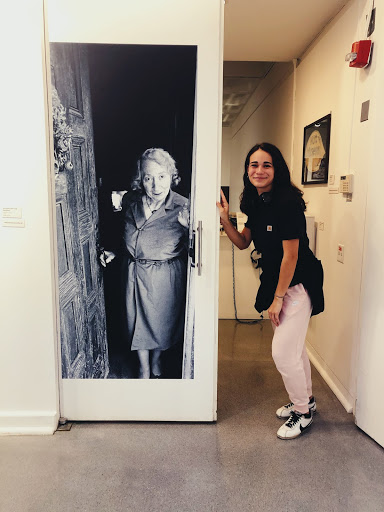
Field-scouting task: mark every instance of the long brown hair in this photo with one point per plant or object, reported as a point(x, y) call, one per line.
point(281, 181)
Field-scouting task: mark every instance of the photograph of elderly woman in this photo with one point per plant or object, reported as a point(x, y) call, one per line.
point(123, 120)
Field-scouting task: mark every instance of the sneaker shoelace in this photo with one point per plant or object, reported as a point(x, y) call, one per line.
point(293, 419)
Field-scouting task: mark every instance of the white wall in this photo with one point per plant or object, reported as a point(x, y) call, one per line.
point(367, 157)
point(28, 370)
point(346, 342)
point(226, 157)
point(325, 83)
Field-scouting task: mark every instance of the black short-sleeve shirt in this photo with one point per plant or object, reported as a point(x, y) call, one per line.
point(279, 216)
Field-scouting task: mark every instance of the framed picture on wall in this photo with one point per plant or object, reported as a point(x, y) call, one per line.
point(316, 151)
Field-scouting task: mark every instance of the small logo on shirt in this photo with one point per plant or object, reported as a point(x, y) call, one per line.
point(269, 228)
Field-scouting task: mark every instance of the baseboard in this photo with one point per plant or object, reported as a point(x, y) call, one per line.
point(28, 422)
point(330, 378)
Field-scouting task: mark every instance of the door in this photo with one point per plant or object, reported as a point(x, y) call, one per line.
point(192, 395)
point(84, 351)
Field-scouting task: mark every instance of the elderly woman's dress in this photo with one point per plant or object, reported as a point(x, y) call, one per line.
point(154, 273)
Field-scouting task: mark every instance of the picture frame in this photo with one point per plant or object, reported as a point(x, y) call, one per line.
point(316, 143)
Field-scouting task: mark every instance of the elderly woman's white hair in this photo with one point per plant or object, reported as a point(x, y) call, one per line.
point(161, 157)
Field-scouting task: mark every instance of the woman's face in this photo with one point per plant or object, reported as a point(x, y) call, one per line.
point(261, 171)
point(156, 180)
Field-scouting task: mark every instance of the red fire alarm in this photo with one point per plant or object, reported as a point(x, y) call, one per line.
point(360, 54)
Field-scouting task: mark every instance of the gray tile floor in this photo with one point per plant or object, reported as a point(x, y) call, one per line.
point(235, 465)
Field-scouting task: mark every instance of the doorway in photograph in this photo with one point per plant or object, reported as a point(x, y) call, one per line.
point(123, 120)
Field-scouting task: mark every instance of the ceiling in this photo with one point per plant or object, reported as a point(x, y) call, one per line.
point(240, 80)
point(274, 30)
point(258, 33)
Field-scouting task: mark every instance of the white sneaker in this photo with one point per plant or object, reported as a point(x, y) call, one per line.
point(295, 425)
point(285, 410)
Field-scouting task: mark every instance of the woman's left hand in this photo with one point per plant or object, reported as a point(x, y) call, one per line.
point(274, 311)
point(183, 216)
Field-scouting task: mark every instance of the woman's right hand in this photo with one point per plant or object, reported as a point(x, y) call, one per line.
point(223, 207)
point(106, 257)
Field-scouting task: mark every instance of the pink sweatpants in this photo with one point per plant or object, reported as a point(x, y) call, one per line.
point(288, 346)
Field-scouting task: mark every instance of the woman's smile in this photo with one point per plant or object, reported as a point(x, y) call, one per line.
point(156, 181)
point(261, 171)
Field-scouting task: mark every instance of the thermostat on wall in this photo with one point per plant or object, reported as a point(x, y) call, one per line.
point(346, 184)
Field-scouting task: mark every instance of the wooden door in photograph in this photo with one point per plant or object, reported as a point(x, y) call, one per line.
point(84, 352)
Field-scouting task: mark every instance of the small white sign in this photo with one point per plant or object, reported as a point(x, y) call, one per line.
point(12, 213)
point(13, 223)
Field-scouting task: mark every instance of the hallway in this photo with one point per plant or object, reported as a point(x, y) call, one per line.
point(235, 465)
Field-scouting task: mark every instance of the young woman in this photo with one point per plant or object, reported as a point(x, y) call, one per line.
point(292, 278)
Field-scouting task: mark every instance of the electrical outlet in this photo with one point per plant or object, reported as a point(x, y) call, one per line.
point(340, 253)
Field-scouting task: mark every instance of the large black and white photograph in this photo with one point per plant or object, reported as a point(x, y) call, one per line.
point(123, 125)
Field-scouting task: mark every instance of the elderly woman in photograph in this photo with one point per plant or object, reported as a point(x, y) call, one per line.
point(155, 241)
